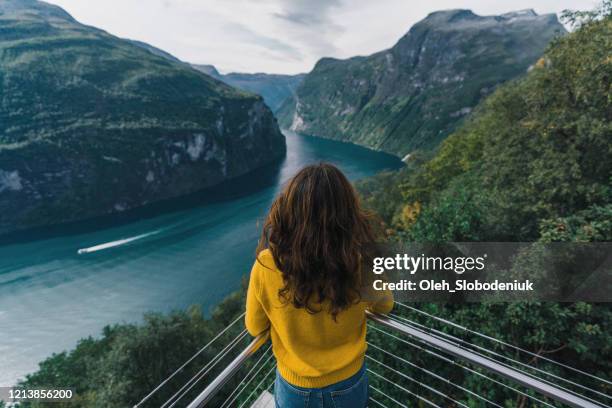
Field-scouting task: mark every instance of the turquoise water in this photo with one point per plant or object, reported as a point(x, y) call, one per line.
point(59, 285)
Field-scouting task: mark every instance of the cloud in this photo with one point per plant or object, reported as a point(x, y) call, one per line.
point(278, 48)
point(277, 36)
point(313, 12)
point(311, 23)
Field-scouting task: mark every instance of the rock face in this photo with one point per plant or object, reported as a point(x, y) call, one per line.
point(274, 89)
point(413, 95)
point(91, 124)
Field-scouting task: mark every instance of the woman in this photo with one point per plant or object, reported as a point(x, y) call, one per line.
point(308, 286)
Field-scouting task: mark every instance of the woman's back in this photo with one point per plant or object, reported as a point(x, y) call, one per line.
point(312, 349)
point(307, 288)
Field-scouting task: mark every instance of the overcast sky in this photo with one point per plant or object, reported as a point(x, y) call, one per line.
point(277, 36)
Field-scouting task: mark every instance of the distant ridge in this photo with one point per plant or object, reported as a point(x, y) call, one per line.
point(274, 88)
point(207, 69)
point(414, 94)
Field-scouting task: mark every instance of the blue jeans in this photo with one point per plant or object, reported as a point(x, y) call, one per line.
point(349, 393)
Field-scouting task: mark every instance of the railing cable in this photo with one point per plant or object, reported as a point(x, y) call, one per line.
point(229, 371)
point(429, 337)
point(200, 351)
point(248, 375)
point(550, 360)
point(257, 386)
point(458, 343)
point(205, 370)
point(471, 370)
point(388, 397)
point(427, 387)
point(431, 373)
point(380, 404)
point(406, 390)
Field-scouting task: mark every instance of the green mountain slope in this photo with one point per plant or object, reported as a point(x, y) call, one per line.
point(414, 94)
point(154, 50)
point(274, 89)
point(91, 124)
point(532, 162)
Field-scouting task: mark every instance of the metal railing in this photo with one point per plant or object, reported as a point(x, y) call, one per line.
point(229, 371)
point(471, 357)
point(505, 371)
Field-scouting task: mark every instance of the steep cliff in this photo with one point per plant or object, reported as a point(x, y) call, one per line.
point(91, 124)
point(414, 94)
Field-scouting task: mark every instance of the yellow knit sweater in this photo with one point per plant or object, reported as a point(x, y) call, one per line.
point(311, 350)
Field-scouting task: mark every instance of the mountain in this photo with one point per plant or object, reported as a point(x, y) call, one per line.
point(91, 124)
point(274, 89)
point(155, 50)
point(208, 70)
point(414, 94)
point(531, 163)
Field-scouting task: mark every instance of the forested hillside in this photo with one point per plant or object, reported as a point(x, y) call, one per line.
point(532, 164)
point(533, 161)
point(91, 124)
point(414, 94)
point(123, 365)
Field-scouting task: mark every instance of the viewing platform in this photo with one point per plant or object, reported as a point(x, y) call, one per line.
point(265, 400)
point(402, 360)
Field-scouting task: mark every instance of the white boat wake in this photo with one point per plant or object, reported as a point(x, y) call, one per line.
point(114, 244)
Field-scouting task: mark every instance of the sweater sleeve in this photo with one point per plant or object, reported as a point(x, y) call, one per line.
point(384, 303)
point(256, 320)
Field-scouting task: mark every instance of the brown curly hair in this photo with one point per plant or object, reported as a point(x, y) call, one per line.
point(319, 237)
